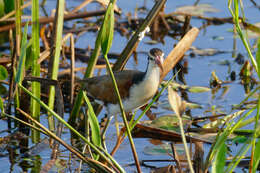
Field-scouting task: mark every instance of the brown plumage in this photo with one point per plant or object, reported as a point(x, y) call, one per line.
point(101, 87)
point(135, 87)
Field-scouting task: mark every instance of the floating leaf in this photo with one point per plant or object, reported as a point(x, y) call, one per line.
point(197, 10)
point(205, 52)
point(151, 42)
point(170, 122)
point(198, 89)
point(189, 105)
point(221, 62)
point(218, 38)
point(3, 73)
point(162, 149)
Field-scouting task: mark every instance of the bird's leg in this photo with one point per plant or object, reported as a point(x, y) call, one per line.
point(148, 113)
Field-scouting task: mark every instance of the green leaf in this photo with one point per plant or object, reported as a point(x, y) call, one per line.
point(170, 122)
point(199, 9)
point(9, 6)
point(3, 73)
point(163, 149)
point(258, 56)
point(19, 74)
point(198, 89)
point(96, 138)
point(220, 160)
point(190, 105)
point(107, 29)
point(239, 139)
point(220, 121)
point(1, 105)
point(256, 156)
point(2, 8)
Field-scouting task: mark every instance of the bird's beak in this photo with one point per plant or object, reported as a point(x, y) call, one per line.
point(159, 62)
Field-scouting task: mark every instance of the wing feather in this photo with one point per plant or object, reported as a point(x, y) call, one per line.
point(101, 87)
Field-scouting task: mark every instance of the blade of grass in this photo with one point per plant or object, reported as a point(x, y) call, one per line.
point(239, 155)
point(222, 136)
point(21, 65)
point(95, 130)
point(254, 137)
point(220, 160)
point(100, 151)
point(107, 30)
point(235, 14)
point(256, 157)
point(54, 67)
point(36, 88)
point(88, 73)
point(78, 154)
point(18, 14)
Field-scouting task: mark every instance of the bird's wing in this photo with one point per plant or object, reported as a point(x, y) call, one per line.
point(101, 87)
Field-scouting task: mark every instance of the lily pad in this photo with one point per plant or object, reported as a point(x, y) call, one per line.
point(198, 89)
point(162, 150)
point(165, 105)
point(198, 10)
point(170, 122)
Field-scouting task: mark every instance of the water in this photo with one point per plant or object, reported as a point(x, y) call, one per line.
point(199, 73)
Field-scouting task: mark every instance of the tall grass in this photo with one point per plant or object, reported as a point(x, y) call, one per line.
point(218, 151)
point(36, 88)
point(55, 57)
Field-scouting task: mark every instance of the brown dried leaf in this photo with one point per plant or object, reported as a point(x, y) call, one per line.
point(175, 101)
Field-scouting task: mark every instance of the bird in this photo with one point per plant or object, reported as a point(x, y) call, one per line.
point(136, 88)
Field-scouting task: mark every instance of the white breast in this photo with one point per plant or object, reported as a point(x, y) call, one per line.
point(140, 93)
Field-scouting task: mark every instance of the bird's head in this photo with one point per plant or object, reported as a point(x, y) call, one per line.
point(156, 55)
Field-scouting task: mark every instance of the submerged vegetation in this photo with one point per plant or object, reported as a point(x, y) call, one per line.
point(41, 95)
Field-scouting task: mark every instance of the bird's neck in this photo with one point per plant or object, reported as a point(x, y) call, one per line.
point(152, 72)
